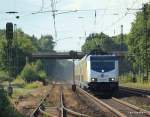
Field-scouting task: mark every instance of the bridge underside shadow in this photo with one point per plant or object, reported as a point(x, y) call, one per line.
point(67, 55)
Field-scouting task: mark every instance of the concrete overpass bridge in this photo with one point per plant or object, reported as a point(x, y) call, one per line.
point(69, 55)
point(57, 55)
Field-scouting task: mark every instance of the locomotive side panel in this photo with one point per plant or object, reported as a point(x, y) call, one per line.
point(81, 73)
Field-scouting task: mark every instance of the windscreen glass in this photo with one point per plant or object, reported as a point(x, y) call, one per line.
point(102, 66)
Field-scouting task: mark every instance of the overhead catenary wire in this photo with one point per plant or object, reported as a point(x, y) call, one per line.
point(122, 17)
point(108, 2)
point(57, 12)
point(76, 10)
point(53, 6)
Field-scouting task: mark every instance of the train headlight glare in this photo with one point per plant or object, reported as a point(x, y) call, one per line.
point(111, 79)
point(94, 79)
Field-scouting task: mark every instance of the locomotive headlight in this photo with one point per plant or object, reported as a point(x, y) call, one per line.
point(93, 79)
point(111, 79)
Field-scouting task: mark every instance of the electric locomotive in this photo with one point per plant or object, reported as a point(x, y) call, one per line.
point(98, 73)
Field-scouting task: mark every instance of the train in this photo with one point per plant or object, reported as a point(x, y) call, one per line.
point(98, 73)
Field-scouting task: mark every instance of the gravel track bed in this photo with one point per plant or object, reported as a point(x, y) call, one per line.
point(53, 101)
point(137, 100)
point(77, 102)
point(25, 104)
point(123, 108)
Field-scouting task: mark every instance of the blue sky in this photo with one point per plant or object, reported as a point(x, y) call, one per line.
point(71, 27)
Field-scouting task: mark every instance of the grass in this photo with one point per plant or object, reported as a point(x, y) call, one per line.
point(33, 85)
point(126, 80)
point(6, 108)
point(22, 88)
point(19, 91)
point(19, 82)
point(137, 85)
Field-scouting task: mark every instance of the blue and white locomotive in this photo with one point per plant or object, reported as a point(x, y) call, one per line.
point(98, 73)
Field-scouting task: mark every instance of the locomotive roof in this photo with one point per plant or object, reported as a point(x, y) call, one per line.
point(100, 57)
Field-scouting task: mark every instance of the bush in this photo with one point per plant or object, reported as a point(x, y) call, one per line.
point(29, 74)
point(33, 72)
point(39, 66)
point(127, 80)
point(4, 76)
point(6, 110)
point(33, 85)
point(42, 76)
point(19, 81)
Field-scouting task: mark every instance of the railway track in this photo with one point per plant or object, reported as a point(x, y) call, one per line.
point(77, 105)
point(141, 92)
point(67, 112)
point(38, 108)
point(50, 109)
point(117, 107)
point(54, 104)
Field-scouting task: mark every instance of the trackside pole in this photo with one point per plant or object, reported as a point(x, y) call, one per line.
point(74, 85)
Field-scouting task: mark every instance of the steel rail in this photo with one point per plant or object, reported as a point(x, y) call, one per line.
point(37, 109)
point(33, 114)
point(100, 103)
point(138, 89)
point(46, 113)
point(61, 103)
point(75, 113)
point(145, 112)
point(63, 108)
point(141, 92)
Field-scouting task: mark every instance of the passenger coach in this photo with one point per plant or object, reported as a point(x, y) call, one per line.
point(98, 73)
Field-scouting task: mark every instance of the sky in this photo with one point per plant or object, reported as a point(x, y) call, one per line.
point(72, 28)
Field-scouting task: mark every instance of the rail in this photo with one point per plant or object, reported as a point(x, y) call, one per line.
point(141, 92)
point(111, 108)
point(65, 110)
point(62, 108)
point(145, 112)
point(37, 109)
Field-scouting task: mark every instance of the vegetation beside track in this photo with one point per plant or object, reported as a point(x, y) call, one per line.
point(127, 80)
point(139, 102)
point(6, 108)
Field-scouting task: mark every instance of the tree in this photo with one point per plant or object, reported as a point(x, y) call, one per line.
point(34, 72)
point(137, 42)
point(46, 43)
point(102, 42)
point(21, 47)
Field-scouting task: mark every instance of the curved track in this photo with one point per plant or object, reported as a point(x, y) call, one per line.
point(118, 107)
point(59, 100)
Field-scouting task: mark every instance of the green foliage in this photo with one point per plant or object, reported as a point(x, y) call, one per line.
point(46, 43)
point(105, 43)
point(4, 76)
point(33, 72)
point(137, 42)
point(42, 76)
point(19, 82)
point(39, 65)
point(20, 48)
point(29, 74)
point(102, 42)
point(127, 80)
point(33, 85)
point(6, 110)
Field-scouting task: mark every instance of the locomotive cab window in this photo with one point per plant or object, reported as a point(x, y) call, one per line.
point(102, 66)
